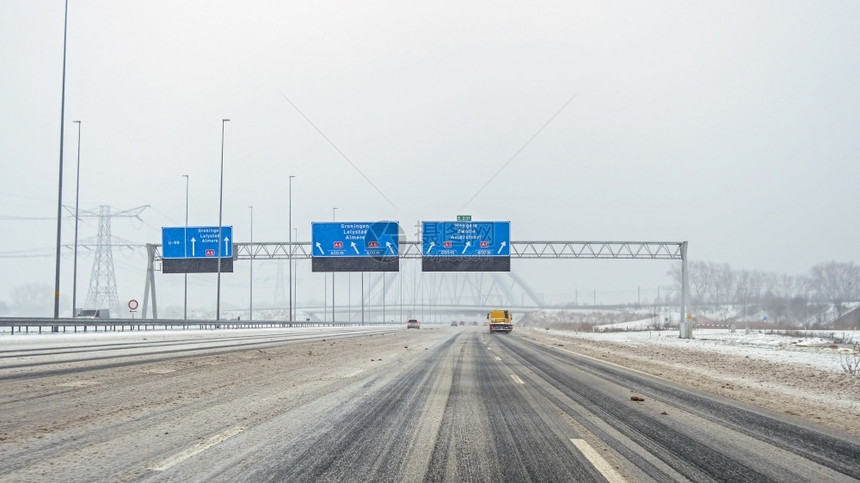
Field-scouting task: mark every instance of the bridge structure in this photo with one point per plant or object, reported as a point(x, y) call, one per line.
point(453, 292)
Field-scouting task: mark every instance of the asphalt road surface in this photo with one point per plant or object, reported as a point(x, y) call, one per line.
point(435, 404)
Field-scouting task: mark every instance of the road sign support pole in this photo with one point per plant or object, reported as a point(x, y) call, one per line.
point(150, 283)
point(686, 325)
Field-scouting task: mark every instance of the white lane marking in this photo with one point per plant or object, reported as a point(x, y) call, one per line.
point(517, 379)
point(498, 358)
point(197, 448)
point(597, 461)
point(351, 374)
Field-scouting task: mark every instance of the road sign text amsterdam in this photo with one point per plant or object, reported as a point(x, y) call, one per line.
point(466, 246)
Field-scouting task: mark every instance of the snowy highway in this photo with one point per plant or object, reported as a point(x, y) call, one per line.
point(435, 404)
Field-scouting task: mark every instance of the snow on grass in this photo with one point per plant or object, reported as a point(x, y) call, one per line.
point(814, 349)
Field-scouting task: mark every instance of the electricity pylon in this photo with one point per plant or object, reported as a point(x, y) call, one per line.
point(102, 291)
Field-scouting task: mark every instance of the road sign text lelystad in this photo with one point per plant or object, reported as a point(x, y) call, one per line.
point(355, 246)
point(196, 249)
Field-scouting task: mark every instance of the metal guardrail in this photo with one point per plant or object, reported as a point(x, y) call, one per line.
point(47, 324)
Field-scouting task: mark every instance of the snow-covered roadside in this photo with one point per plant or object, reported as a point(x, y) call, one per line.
point(801, 377)
point(814, 349)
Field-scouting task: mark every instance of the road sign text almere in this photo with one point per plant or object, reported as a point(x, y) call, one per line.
point(355, 246)
point(466, 246)
point(196, 249)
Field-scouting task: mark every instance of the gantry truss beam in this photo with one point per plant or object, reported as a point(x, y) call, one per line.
point(627, 250)
point(622, 250)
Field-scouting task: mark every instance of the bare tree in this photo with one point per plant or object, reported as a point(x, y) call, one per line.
point(835, 282)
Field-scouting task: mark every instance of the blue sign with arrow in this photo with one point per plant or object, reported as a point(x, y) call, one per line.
point(355, 246)
point(466, 238)
point(466, 246)
point(355, 239)
point(196, 242)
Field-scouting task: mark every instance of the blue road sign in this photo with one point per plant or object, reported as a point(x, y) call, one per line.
point(196, 242)
point(466, 239)
point(379, 239)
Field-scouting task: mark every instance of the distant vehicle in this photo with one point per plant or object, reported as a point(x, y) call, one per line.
point(454, 324)
point(413, 324)
point(92, 314)
point(462, 323)
point(500, 321)
point(475, 323)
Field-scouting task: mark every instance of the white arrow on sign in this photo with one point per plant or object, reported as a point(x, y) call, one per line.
point(227, 246)
point(388, 244)
point(352, 244)
point(322, 252)
point(432, 244)
point(193, 241)
point(502, 247)
point(468, 244)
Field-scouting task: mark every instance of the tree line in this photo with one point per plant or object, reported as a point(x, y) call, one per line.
point(809, 300)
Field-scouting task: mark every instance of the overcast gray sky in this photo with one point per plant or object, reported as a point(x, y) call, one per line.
point(733, 125)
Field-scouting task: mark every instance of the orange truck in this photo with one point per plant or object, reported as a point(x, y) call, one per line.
point(500, 321)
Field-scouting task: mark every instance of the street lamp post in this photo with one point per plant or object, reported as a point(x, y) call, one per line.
point(290, 235)
point(77, 200)
point(220, 220)
point(185, 237)
point(295, 283)
point(333, 211)
point(251, 295)
point(60, 188)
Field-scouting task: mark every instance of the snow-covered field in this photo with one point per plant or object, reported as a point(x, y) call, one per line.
point(824, 350)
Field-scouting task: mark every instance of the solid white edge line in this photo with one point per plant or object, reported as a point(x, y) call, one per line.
point(597, 461)
point(517, 379)
point(197, 448)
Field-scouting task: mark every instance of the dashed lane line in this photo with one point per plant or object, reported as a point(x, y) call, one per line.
point(517, 379)
point(197, 448)
point(597, 461)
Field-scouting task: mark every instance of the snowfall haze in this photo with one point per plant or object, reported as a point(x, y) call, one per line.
point(730, 125)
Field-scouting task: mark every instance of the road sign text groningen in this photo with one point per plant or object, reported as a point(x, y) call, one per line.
point(358, 239)
point(197, 242)
point(355, 246)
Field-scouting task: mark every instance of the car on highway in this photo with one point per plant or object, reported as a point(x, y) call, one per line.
point(413, 324)
point(454, 324)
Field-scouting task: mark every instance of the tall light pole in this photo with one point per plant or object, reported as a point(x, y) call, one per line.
point(251, 304)
point(220, 225)
point(333, 211)
point(77, 200)
point(185, 237)
point(295, 293)
point(60, 189)
point(290, 235)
